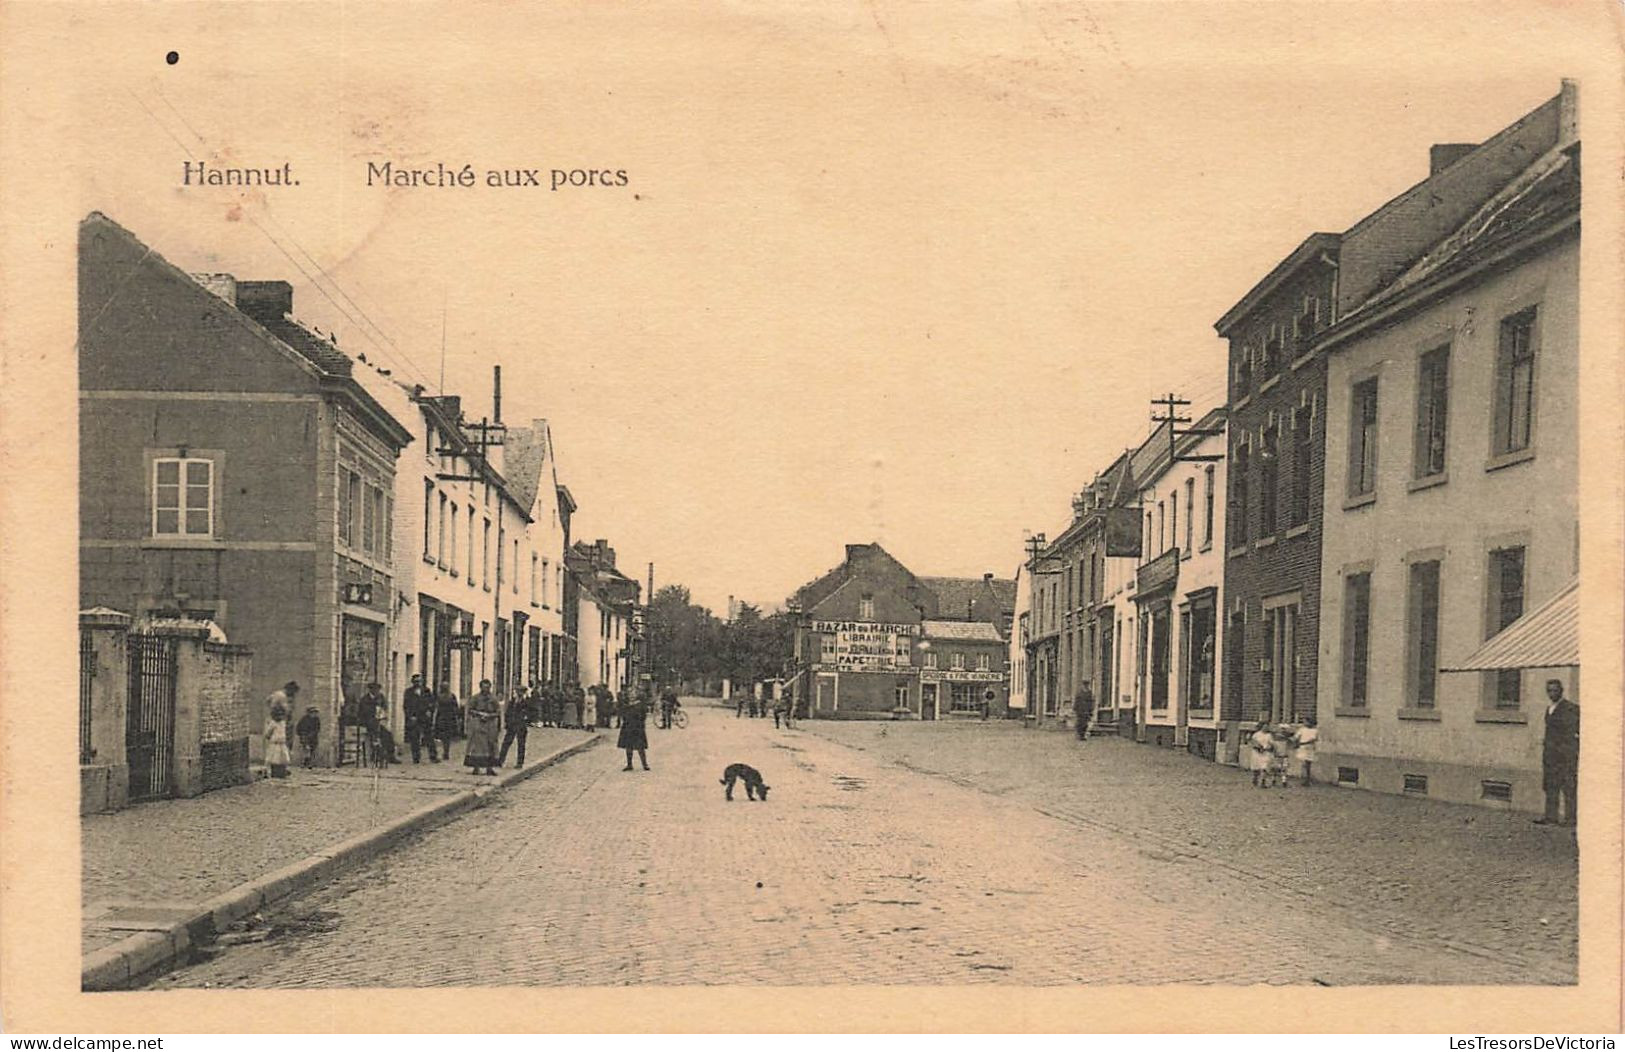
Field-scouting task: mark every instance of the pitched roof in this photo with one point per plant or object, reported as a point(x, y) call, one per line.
point(524, 454)
point(1546, 637)
point(1548, 189)
point(969, 631)
point(954, 594)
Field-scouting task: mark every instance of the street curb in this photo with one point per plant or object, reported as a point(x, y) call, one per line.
point(141, 957)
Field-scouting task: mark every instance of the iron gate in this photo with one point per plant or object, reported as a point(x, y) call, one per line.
point(150, 733)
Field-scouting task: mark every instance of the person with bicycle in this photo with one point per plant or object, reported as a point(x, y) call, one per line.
point(668, 707)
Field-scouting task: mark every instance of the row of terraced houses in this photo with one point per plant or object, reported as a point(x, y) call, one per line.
point(1378, 531)
point(307, 516)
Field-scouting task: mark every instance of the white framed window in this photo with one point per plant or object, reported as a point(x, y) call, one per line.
point(930, 660)
point(182, 497)
point(469, 555)
point(957, 660)
point(866, 608)
point(981, 662)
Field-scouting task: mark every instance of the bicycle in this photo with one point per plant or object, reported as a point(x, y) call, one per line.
point(679, 720)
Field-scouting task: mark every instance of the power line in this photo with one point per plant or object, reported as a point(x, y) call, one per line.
point(393, 351)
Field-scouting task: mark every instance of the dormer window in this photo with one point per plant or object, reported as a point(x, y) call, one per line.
point(866, 608)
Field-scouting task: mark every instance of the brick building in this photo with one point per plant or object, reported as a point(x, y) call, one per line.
point(873, 640)
point(231, 469)
point(1273, 513)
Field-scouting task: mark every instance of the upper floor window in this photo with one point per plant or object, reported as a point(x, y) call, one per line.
point(535, 576)
point(1306, 323)
point(1269, 479)
point(1207, 511)
point(350, 505)
point(182, 497)
point(1244, 373)
point(1363, 439)
point(866, 608)
point(957, 660)
point(1273, 347)
point(1237, 522)
point(1190, 512)
point(1303, 418)
point(1432, 411)
point(930, 658)
point(981, 662)
point(428, 518)
point(1515, 383)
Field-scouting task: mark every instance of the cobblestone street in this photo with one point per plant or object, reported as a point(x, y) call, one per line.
point(858, 870)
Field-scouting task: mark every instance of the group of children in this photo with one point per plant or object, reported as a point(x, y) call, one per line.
point(1269, 751)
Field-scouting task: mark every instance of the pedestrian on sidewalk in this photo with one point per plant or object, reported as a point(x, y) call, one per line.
point(1303, 748)
point(778, 710)
point(1560, 757)
point(578, 703)
point(447, 714)
point(633, 735)
point(1256, 753)
point(516, 725)
point(276, 744)
point(739, 709)
point(418, 706)
point(375, 711)
point(309, 731)
point(589, 713)
point(1083, 708)
point(482, 719)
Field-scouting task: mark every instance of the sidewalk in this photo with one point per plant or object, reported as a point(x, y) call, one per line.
point(150, 863)
point(1486, 881)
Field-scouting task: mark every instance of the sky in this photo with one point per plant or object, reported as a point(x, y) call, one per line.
point(882, 271)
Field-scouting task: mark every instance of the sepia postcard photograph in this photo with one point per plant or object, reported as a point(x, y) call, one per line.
point(1041, 516)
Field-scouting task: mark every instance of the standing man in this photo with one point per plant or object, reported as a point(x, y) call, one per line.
point(516, 724)
point(1560, 756)
point(446, 716)
point(1083, 709)
point(419, 709)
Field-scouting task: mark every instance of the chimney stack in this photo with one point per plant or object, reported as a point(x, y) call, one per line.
point(265, 299)
point(496, 394)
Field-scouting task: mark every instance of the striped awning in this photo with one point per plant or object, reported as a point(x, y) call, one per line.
point(1546, 637)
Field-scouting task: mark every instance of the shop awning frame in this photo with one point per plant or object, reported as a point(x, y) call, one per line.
point(1546, 637)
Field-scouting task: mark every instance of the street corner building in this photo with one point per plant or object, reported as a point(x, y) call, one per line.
point(874, 641)
point(245, 484)
point(232, 472)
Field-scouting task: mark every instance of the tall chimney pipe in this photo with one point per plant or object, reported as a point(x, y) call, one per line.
point(496, 394)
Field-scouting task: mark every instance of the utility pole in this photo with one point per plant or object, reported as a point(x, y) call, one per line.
point(1170, 403)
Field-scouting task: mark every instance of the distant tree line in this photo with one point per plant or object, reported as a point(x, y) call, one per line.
point(693, 647)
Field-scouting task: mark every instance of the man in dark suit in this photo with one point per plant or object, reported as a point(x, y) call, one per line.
point(1560, 756)
point(419, 708)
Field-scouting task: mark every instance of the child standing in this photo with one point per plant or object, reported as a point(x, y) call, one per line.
point(1280, 752)
point(276, 745)
point(309, 730)
point(1258, 749)
point(1304, 748)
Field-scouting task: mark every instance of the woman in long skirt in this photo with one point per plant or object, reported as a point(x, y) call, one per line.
point(633, 736)
point(482, 722)
point(276, 745)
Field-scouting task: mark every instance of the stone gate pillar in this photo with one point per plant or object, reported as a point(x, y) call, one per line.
point(104, 775)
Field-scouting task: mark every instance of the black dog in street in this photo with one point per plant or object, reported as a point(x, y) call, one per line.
point(755, 788)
